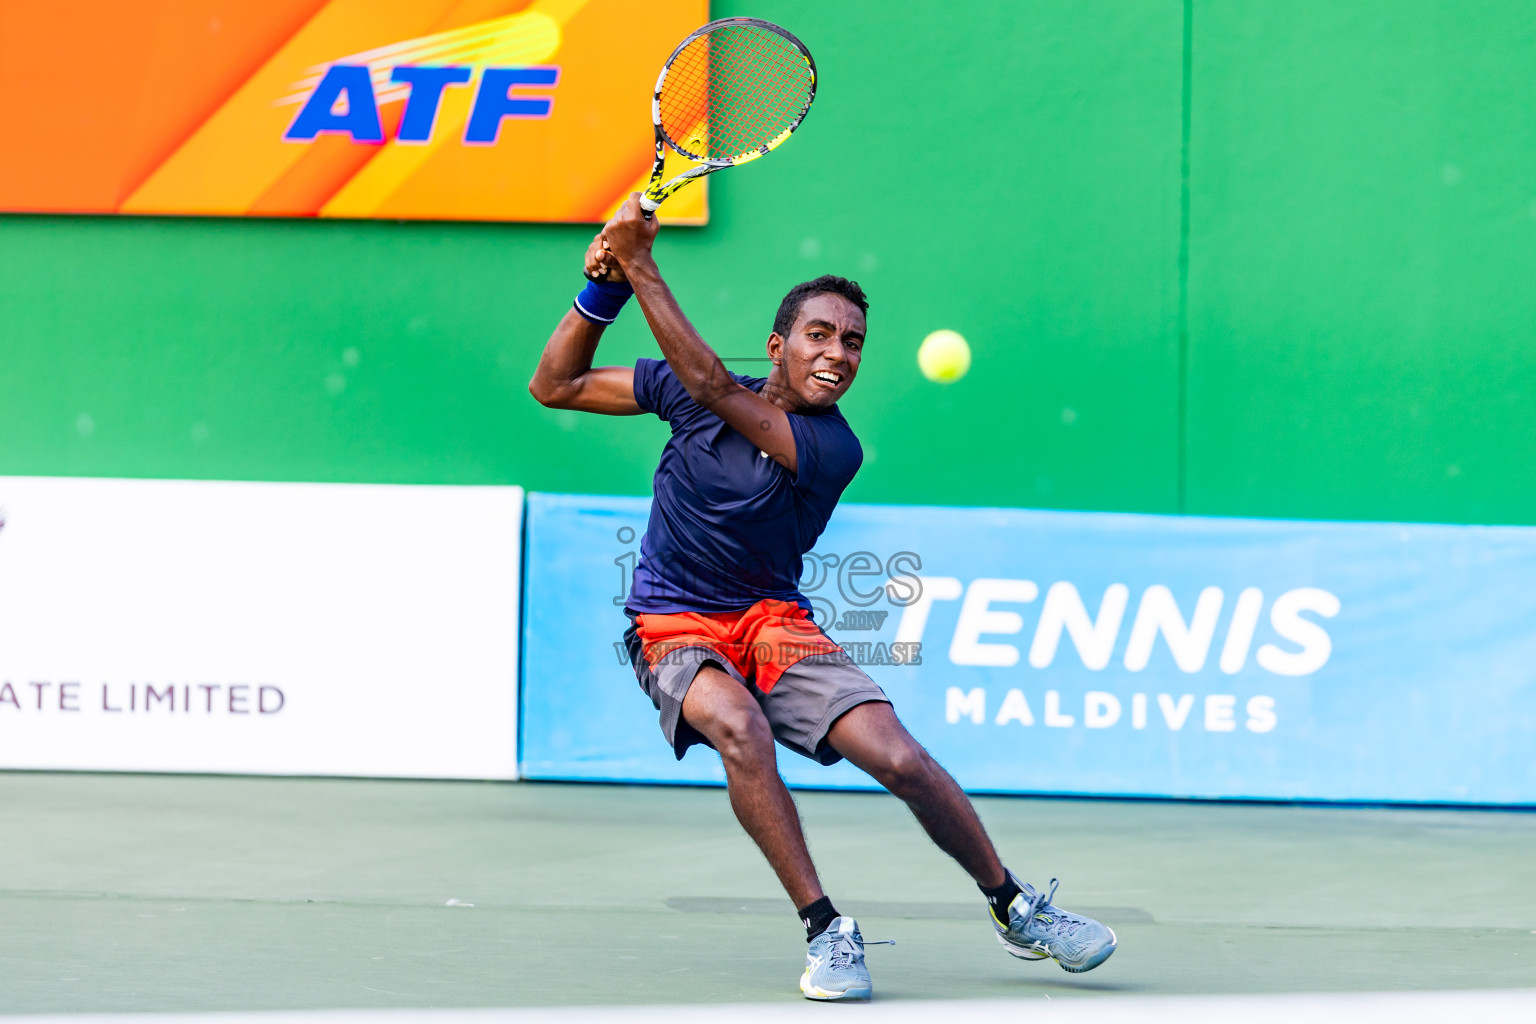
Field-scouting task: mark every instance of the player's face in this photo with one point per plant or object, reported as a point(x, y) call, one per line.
point(820, 358)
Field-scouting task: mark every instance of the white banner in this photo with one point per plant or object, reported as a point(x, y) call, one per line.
point(289, 629)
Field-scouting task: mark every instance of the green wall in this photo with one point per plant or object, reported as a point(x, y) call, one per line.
point(1363, 260)
point(1231, 257)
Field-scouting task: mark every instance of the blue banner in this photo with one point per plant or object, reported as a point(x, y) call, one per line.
point(1087, 653)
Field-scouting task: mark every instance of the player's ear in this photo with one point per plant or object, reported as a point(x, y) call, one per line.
point(775, 348)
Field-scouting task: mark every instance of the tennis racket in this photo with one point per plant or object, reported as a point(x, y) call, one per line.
point(731, 92)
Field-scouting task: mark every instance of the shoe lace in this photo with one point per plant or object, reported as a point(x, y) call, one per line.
point(1040, 905)
point(846, 951)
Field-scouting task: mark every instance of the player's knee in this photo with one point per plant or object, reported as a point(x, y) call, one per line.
point(742, 735)
point(908, 769)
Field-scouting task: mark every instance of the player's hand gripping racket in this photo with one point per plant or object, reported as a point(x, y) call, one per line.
point(732, 91)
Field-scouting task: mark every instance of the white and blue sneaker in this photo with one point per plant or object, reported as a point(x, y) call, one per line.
point(1037, 929)
point(834, 964)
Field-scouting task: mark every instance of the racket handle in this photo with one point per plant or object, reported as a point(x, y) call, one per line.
point(648, 206)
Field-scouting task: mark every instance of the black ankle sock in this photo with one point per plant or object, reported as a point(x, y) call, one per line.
point(999, 899)
point(817, 917)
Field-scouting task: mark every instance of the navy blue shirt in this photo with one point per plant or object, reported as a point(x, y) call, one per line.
point(728, 524)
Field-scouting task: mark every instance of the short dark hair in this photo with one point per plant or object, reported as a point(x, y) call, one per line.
point(789, 309)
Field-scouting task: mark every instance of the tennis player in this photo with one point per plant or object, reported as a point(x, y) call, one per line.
point(721, 639)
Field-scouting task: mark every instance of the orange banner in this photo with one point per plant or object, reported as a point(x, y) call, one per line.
point(520, 110)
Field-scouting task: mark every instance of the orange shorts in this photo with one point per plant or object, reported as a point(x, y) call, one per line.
point(761, 642)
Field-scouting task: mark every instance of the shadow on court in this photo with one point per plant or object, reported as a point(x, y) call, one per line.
point(178, 893)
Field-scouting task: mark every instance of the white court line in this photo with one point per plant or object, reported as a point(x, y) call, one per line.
point(1483, 1006)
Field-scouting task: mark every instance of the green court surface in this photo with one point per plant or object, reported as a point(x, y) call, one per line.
point(144, 893)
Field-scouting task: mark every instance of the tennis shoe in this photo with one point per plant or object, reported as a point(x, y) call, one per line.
point(1037, 929)
point(834, 965)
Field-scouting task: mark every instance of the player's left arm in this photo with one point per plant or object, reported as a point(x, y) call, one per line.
point(630, 236)
point(565, 377)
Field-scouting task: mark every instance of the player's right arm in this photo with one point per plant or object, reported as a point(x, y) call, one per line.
point(628, 237)
point(566, 378)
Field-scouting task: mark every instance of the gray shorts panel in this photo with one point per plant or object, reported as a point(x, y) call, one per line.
point(667, 684)
point(812, 694)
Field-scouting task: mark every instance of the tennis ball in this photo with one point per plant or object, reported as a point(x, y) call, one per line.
point(944, 357)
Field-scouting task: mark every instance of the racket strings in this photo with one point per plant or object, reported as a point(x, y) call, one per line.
point(778, 84)
point(734, 90)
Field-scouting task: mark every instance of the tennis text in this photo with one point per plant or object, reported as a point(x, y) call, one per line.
point(988, 615)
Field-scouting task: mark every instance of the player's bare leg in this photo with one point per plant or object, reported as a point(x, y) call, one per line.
point(871, 736)
point(1027, 924)
point(728, 716)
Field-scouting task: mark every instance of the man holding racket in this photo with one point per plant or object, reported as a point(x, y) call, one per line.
point(721, 639)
